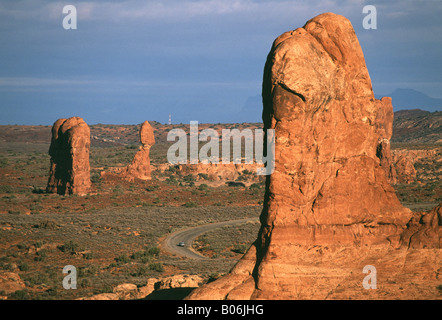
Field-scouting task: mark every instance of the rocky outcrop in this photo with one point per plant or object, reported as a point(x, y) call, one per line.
point(384, 127)
point(216, 172)
point(405, 172)
point(129, 291)
point(405, 159)
point(69, 150)
point(139, 168)
point(329, 202)
point(424, 230)
point(10, 282)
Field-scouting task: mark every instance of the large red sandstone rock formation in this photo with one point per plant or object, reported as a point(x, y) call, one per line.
point(140, 165)
point(139, 168)
point(329, 209)
point(70, 170)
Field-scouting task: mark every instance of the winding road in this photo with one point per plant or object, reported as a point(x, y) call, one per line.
point(170, 243)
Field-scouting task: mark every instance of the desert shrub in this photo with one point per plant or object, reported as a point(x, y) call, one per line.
point(242, 178)
point(35, 208)
point(19, 295)
point(255, 186)
point(204, 176)
point(156, 266)
point(203, 187)
point(137, 255)
point(96, 177)
point(154, 251)
point(85, 282)
point(118, 189)
point(173, 169)
point(152, 188)
point(23, 266)
point(190, 204)
point(171, 180)
point(141, 271)
point(122, 259)
point(69, 247)
point(41, 255)
point(146, 255)
point(88, 255)
point(6, 189)
point(189, 178)
point(88, 270)
point(47, 224)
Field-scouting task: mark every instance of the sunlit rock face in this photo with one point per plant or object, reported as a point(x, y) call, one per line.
point(329, 208)
point(69, 150)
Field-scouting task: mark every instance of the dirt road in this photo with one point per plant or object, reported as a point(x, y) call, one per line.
point(170, 243)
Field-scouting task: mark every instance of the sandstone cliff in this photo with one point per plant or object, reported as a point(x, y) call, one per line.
point(329, 208)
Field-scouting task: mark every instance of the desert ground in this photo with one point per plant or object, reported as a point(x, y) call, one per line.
point(115, 234)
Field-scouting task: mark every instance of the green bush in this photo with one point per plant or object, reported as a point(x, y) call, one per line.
point(69, 247)
point(152, 188)
point(255, 186)
point(141, 271)
point(19, 295)
point(156, 266)
point(204, 176)
point(23, 266)
point(190, 204)
point(96, 177)
point(123, 259)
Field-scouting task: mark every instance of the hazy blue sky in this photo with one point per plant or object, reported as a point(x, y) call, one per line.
point(131, 61)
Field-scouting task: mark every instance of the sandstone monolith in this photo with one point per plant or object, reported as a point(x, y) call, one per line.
point(139, 168)
point(329, 208)
point(69, 150)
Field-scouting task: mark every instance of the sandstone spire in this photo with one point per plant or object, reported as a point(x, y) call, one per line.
point(329, 208)
point(140, 165)
point(139, 168)
point(69, 150)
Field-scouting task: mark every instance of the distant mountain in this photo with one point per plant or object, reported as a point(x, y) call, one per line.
point(413, 99)
point(417, 126)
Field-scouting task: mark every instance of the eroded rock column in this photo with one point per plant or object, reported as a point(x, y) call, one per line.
point(69, 150)
point(328, 190)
